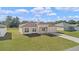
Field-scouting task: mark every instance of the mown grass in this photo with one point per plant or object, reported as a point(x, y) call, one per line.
point(21, 42)
point(72, 33)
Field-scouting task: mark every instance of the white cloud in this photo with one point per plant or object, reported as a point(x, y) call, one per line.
point(40, 11)
point(62, 8)
point(5, 11)
point(51, 14)
point(68, 8)
point(59, 18)
point(2, 17)
point(22, 10)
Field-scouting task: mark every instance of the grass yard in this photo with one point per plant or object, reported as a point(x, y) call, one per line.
point(21, 42)
point(72, 33)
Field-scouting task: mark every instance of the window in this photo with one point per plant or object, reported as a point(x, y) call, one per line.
point(26, 29)
point(44, 28)
point(33, 29)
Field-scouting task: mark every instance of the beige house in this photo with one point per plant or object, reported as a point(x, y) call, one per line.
point(35, 27)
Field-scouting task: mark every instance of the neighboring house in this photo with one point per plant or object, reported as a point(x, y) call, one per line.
point(65, 26)
point(3, 30)
point(35, 27)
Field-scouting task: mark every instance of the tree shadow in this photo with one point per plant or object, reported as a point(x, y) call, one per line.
point(8, 36)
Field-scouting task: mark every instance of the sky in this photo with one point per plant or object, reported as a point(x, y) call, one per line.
point(40, 13)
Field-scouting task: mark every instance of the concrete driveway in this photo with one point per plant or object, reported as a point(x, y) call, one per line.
point(75, 39)
point(73, 49)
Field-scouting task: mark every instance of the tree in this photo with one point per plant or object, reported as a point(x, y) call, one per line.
point(77, 22)
point(15, 22)
point(8, 21)
point(24, 22)
point(60, 21)
point(72, 22)
point(12, 21)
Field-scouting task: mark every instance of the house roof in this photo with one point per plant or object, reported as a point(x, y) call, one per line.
point(63, 24)
point(29, 24)
point(2, 26)
point(35, 24)
point(50, 24)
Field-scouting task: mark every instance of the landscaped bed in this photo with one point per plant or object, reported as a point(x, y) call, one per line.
point(21, 42)
point(72, 33)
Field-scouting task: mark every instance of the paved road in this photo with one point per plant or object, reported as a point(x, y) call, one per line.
point(73, 49)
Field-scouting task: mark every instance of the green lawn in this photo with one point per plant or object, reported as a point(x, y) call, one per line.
point(72, 33)
point(21, 42)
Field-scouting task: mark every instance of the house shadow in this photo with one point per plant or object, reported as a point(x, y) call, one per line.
point(60, 32)
point(36, 35)
point(49, 34)
point(33, 35)
point(8, 36)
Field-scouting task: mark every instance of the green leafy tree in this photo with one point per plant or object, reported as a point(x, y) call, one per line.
point(60, 21)
point(8, 21)
point(23, 22)
point(12, 21)
point(72, 22)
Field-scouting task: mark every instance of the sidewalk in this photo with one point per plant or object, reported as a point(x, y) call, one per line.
point(75, 39)
point(73, 49)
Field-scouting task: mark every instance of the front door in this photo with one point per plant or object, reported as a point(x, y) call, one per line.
point(43, 29)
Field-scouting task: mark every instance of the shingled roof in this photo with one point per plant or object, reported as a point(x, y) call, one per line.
point(35, 24)
point(29, 24)
point(2, 26)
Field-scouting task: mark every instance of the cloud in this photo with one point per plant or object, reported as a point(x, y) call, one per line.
point(2, 17)
point(22, 10)
point(67, 8)
point(3, 11)
point(6, 11)
point(38, 12)
point(59, 18)
point(75, 17)
point(51, 14)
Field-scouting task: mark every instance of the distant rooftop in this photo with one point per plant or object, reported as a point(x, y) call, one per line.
point(2, 26)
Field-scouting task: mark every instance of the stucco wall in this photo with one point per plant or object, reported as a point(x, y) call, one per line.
point(51, 29)
point(60, 28)
point(30, 30)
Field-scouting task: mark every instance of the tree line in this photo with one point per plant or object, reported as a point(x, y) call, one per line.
point(69, 21)
point(15, 21)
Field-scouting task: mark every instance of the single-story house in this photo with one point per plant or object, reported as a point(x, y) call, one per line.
point(65, 26)
point(3, 30)
point(37, 27)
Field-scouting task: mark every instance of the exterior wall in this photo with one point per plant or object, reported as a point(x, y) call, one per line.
point(59, 28)
point(51, 29)
point(30, 30)
point(20, 30)
point(3, 31)
point(38, 29)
